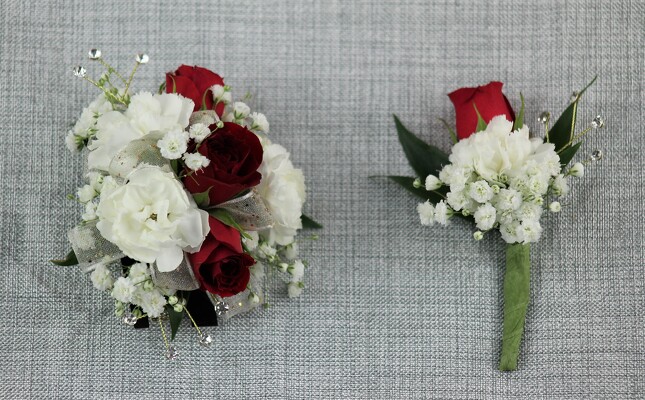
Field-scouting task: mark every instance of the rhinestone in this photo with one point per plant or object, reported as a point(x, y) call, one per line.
point(129, 319)
point(221, 307)
point(80, 72)
point(598, 122)
point(171, 353)
point(94, 54)
point(544, 117)
point(142, 58)
point(205, 339)
point(596, 155)
point(574, 96)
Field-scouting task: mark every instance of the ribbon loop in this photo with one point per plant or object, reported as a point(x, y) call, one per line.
point(182, 278)
point(249, 211)
point(91, 247)
point(136, 153)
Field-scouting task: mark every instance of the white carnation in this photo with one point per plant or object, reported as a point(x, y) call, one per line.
point(508, 199)
point(426, 213)
point(152, 218)
point(173, 144)
point(196, 161)
point(159, 112)
point(283, 190)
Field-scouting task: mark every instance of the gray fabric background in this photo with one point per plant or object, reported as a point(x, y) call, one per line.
point(391, 309)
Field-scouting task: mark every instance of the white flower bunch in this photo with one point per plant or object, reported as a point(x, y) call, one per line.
point(502, 178)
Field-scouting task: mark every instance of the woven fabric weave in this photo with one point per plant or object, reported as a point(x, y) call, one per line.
point(392, 310)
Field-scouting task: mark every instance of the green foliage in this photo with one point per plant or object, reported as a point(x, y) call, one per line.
point(227, 219)
point(567, 154)
point(561, 134)
point(453, 135)
point(519, 120)
point(202, 198)
point(69, 260)
point(481, 124)
point(308, 223)
point(425, 159)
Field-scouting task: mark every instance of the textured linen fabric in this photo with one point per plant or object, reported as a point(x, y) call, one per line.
point(391, 309)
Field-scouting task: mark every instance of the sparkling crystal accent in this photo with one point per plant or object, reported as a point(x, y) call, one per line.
point(221, 308)
point(94, 54)
point(171, 353)
point(574, 96)
point(598, 122)
point(205, 339)
point(544, 117)
point(142, 58)
point(596, 155)
point(129, 319)
point(80, 72)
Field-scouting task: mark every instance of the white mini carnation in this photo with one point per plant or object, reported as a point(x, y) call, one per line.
point(432, 183)
point(173, 144)
point(139, 272)
point(73, 142)
point(86, 193)
point(485, 217)
point(511, 232)
point(199, 132)
point(151, 302)
point(217, 91)
point(101, 277)
point(227, 97)
point(297, 270)
point(267, 251)
point(240, 110)
point(555, 207)
point(95, 180)
point(251, 241)
point(531, 231)
point(291, 251)
point(90, 211)
point(441, 213)
point(508, 199)
point(426, 213)
point(257, 270)
point(560, 186)
point(578, 170)
point(123, 290)
point(196, 161)
point(283, 190)
point(295, 289)
point(529, 211)
point(259, 122)
point(458, 200)
point(480, 191)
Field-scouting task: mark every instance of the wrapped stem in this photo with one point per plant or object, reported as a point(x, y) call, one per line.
point(516, 299)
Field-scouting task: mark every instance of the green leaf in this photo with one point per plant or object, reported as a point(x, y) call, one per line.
point(162, 87)
point(175, 320)
point(227, 219)
point(69, 260)
point(407, 183)
point(481, 124)
point(516, 299)
point(174, 165)
point(425, 159)
point(308, 223)
point(564, 128)
point(453, 135)
point(567, 154)
point(519, 120)
point(202, 198)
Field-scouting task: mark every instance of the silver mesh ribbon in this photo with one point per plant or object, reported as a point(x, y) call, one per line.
point(91, 247)
point(249, 211)
point(206, 117)
point(227, 307)
point(181, 278)
point(138, 152)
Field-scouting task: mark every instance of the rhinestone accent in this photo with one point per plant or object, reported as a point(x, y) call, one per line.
point(205, 339)
point(544, 117)
point(596, 155)
point(94, 54)
point(142, 58)
point(598, 122)
point(171, 353)
point(80, 72)
point(221, 308)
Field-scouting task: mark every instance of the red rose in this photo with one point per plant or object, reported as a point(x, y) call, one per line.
point(235, 154)
point(220, 266)
point(490, 102)
point(195, 83)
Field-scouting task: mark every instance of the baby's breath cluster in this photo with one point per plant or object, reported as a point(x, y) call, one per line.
point(501, 178)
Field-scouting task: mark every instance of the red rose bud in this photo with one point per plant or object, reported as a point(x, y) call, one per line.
point(195, 83)
point(235, 154)
point(220, 266)
point(490, 102)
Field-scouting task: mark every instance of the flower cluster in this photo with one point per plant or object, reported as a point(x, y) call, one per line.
point(503, 179)
point(189, 193)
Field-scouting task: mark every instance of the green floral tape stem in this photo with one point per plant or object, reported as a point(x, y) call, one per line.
point(516, 299)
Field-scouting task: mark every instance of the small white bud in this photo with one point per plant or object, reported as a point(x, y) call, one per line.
point(218, 91)
point(283, 267)
point(178, 308)
point(578, 170)
point(495, 189)
point(172, 300)
point(254, 298)
point(478, 235)
point(432, 183)
point(417, 183)
point(555, 207)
